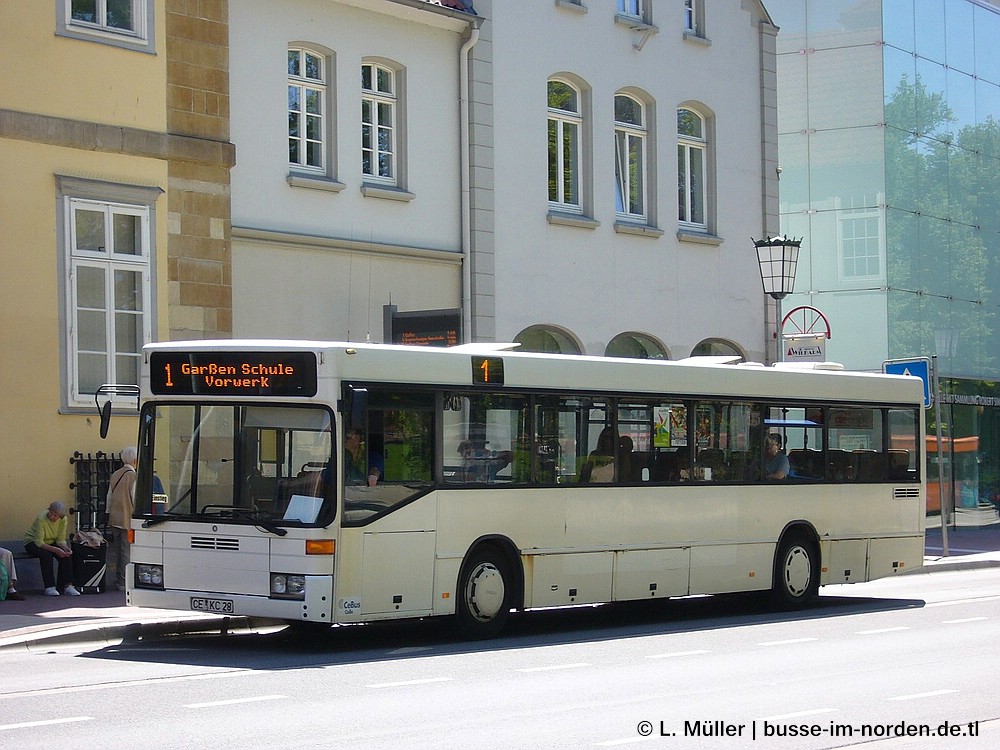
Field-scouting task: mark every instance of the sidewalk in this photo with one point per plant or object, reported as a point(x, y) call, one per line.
point(45, 622)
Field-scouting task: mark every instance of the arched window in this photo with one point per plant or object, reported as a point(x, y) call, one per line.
point(692, 164)
point(717, 348)
point(547, 340)
point(565, 132)
point(630, 157)
point(635, 346)
point(307, 96)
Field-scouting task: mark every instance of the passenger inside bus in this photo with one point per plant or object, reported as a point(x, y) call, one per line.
point(481, 465)
point(600, 465)
point(776, 462)
point(358, 470)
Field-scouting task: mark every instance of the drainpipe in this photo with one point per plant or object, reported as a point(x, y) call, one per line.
point(464, 107)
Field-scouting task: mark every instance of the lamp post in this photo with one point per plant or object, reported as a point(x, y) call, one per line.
point(777, 258)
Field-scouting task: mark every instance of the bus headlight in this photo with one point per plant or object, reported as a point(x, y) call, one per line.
point(148, 576)
point(288, 586)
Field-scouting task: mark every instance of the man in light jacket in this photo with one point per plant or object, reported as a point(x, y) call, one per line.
point(120, 503)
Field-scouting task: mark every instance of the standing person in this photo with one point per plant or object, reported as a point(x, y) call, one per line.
point(7, 563)
point(120, 504)
point(47, 539)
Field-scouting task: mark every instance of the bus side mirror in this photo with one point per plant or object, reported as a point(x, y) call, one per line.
point(357, 407)
point(105, 418)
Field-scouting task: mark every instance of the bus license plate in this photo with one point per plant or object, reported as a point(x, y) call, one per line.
point(218, 606)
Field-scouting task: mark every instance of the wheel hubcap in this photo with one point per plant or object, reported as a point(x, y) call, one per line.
point(798, 571)
point(485, 592)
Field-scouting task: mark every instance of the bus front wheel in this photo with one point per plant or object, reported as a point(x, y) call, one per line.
point(796, 572)
point(484, 593)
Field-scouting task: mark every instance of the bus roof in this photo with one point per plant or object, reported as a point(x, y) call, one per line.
point(559, 372)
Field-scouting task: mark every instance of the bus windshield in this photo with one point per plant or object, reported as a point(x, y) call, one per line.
point(269, 466)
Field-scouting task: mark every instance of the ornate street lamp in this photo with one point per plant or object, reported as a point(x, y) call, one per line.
point(777, 258)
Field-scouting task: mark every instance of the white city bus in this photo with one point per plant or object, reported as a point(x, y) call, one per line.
point(346, 483)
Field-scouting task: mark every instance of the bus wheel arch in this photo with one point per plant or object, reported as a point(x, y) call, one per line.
point(490, 584)
point(795, 582)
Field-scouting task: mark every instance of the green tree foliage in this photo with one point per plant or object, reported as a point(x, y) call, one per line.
point(942, 238)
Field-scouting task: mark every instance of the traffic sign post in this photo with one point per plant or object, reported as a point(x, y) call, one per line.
point(925, 369)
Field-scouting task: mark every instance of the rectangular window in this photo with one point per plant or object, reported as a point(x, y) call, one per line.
point(694, 17)
point(860, 247)
point(307, 98)
point(799, 431)
point(631, 8)
point(857, 448)
point(108, 254)
point(378, 123)
point(727, 441)
point(123, 23)
point(486, 439)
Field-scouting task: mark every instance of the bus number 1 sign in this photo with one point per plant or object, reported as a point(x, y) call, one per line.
point(487, 371)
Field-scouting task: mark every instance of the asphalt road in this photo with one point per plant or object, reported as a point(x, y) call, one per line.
point(911, 654)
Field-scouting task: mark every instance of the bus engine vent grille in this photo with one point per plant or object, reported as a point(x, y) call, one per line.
point(217, 543)
point(900, 493)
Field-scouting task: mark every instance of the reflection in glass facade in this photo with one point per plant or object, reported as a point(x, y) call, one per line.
point(889, 145)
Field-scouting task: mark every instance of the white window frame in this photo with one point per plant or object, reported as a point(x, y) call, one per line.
point(862, 209)
point(628, 135)
point(689, 150)
point(376, 100)
point(566, 123)
point(110, 201)
point(305, 86)
point(632, 8)
point(694, 18)
point(140, 38)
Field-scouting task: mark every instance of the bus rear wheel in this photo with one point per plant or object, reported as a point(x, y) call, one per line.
point(796, 573)
point(485, 588)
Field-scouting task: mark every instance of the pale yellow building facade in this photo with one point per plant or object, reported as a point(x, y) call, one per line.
point(112, 150)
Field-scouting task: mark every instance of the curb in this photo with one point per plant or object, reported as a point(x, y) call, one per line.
point(113, 633)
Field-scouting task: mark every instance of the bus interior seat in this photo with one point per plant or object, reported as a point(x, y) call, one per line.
point(899, 464)
point(869, 466)
point(840, 465)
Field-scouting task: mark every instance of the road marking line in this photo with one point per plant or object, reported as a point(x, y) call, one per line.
point(404, 683)
point(235, 701)
point(971, 600)
point(799, 714)
point(916, 696)
point(49, 722)
point(964, 619)
point(785, 643)
point(678, 653)
point(558, 666)
point(882, 630)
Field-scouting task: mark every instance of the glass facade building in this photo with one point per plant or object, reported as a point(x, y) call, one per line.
point(889, 146)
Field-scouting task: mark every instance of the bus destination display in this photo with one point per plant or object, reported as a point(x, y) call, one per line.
point(233, 373)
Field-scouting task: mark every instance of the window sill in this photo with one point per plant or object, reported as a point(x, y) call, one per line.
point(639, 230)
point(690, 36)
point(314, 182)
point(564, 219)
point(699, 238)
point(574, 5)
point(386, 192)
point(636, 24)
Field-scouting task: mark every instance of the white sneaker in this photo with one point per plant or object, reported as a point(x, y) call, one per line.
point(51, 591)
point(71, 591)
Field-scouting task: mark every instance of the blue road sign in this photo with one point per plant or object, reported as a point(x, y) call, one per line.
point(919, 367)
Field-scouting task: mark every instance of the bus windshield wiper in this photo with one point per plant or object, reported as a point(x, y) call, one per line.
point(249, 515)
point(156, 520)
